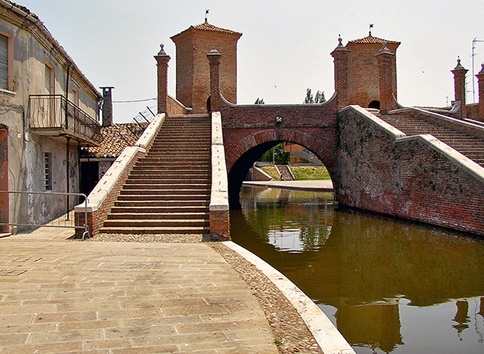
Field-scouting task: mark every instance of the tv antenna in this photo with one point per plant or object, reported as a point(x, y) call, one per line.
point(474, 41)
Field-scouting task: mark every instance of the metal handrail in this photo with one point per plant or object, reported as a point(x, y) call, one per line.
point(55, 111)
point(85, 226)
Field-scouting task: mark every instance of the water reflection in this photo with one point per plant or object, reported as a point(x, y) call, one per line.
point(371, 272)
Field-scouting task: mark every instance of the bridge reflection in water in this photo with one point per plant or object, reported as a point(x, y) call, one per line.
point(388, 285)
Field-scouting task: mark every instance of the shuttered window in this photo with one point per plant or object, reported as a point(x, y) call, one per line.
point(48, 79)
point(47, 171)
point(3, 62)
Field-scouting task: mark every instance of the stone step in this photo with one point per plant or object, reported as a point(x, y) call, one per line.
point(167, 181)
point(173, 168)
point(172, 186)
point(160, 196)
point(168, 164)
point(158, 216)
point(172, 191)
point(146, 223)
point(139, 173)
point(159, 209)
point(205, 158)
point(161, 203)
point(155, 230)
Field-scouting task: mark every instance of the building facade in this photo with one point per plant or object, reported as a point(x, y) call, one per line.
point(48, 109)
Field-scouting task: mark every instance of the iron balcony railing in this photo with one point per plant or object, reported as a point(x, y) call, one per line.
point(55, 115)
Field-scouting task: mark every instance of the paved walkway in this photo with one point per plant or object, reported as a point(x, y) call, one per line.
point(60, 296)
point(317, 185)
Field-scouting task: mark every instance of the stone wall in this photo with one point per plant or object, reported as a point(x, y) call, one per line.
point(419, 177)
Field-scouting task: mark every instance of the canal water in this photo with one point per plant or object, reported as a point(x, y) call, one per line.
point(389, 286)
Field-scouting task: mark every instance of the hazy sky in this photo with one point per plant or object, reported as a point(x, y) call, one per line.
point(285, 47)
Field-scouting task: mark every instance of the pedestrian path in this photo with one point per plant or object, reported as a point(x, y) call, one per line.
point(60, 296)
point(312, 185)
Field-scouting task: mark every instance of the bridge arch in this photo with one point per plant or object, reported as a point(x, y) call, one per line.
point(241, 157)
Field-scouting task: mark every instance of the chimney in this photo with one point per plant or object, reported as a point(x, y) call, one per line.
point(107, 110)
point(480, 79)
point(340, 55)
point(460, 87)
point(162, 60)
point(385, 63)
point(214, 61)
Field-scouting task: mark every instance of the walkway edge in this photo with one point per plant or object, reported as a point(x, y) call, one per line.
point(328, 337)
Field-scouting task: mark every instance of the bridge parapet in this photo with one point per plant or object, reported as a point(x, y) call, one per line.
point(465, 126)
point(219, 197)
point(416, 177)
point(104, 194)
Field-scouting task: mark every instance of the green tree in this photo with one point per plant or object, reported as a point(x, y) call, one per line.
point(276, 154)
point(318, 98)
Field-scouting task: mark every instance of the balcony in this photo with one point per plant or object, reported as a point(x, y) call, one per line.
point(55, 116)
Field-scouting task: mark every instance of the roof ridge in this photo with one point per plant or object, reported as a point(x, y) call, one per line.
point(208, 27)
point(371, 39)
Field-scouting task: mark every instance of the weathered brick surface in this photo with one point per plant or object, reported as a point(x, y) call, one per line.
point(480, 79)
point(312, 126)
point(95, 219)
point(405, 177)
point(220, 224)
point(192, 68)
point(363, 72)
point(460, 87)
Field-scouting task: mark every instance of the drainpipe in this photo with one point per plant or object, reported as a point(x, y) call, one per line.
point(67, 138)
point(67, 95)
point(67, 175)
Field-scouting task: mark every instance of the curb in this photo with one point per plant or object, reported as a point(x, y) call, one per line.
point(328, 337)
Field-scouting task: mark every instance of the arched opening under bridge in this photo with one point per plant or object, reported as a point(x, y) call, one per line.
point(240, 168)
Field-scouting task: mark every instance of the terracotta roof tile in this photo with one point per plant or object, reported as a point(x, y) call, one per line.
point(372, 40)
point(115, 138)
point(209, 27)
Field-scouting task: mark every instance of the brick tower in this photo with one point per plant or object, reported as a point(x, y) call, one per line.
point(357, 64)
point(193, 70)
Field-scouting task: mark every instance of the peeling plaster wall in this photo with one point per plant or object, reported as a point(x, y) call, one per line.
point(30, 48)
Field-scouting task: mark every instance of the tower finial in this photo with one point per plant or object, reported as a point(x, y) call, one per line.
point(340, 41)
point(206, 15)
point(370, 27)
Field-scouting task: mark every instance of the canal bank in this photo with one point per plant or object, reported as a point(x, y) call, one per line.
point(143, 295)
point(308, 185)
point(390, 286)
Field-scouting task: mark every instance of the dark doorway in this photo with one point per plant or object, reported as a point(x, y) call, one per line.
point(209, 105)
point(374, 104)
point(89, 176)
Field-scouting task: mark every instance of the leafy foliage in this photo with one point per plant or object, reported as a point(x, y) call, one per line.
point(318, 98)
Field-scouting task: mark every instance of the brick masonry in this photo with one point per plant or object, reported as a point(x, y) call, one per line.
point(96, 218)
point(406, 177)
point(220, 224)
point(192, 68)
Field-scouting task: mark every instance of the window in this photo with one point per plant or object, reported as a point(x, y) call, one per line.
point(3, 62)
point(49, 79)
point(47, 171)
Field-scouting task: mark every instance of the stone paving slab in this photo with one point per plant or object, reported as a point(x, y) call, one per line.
point(115, 297)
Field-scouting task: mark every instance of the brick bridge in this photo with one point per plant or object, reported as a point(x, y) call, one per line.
point(405, 162)
point(418, 164)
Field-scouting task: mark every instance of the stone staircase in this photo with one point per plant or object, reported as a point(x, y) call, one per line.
point(285, 172)
point(168, 190)
point(468, 145)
